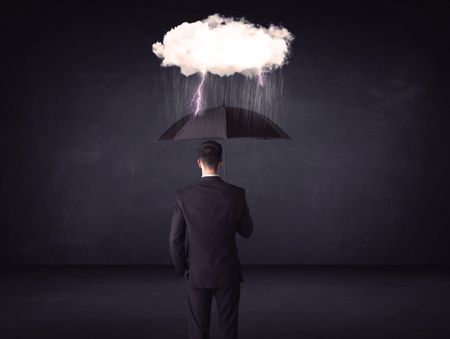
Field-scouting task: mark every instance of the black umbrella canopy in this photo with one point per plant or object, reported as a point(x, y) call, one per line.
point(224, 123)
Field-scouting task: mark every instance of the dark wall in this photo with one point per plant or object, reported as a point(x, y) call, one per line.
point(365, 179)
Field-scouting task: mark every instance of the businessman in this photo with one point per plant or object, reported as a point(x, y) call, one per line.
point(202, 244)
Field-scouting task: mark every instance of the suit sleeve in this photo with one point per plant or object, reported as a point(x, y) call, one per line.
point(245, 226)
point(177, 238)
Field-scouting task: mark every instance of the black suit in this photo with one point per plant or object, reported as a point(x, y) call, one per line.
point(206, 217)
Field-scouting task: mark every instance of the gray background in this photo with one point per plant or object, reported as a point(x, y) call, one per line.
point(364, 179)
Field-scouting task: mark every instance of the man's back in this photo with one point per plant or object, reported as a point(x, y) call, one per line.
point(210, 213)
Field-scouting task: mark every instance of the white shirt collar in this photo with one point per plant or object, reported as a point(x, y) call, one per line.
point(210, 175)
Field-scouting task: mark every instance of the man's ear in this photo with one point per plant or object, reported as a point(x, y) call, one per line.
point(199, 162)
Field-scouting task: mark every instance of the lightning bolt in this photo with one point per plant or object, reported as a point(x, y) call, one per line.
point(197, 99)
point(260, 78)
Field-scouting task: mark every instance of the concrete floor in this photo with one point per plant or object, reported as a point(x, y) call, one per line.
point(276, 302)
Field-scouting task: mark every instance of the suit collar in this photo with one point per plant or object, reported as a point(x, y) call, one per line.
point(211, 178)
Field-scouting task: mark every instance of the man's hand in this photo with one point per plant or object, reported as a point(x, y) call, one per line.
point(245, 226)
point(177, 238)
point(186, 274)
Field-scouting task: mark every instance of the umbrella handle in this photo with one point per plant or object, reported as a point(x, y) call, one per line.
point(224, 160)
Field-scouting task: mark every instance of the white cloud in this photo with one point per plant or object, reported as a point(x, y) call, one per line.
point(224, 46)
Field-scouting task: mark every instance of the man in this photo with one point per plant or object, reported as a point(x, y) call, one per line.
point(207, 215)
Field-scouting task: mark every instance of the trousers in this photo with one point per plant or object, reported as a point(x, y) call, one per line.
point(199, 314)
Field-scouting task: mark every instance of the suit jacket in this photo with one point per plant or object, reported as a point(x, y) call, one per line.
point(202, 241)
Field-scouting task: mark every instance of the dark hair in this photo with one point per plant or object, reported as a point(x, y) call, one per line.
point(211, 153)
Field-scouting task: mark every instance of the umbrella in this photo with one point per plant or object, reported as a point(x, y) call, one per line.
point(224, 122)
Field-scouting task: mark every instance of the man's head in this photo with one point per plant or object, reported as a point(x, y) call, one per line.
point(210, 156)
